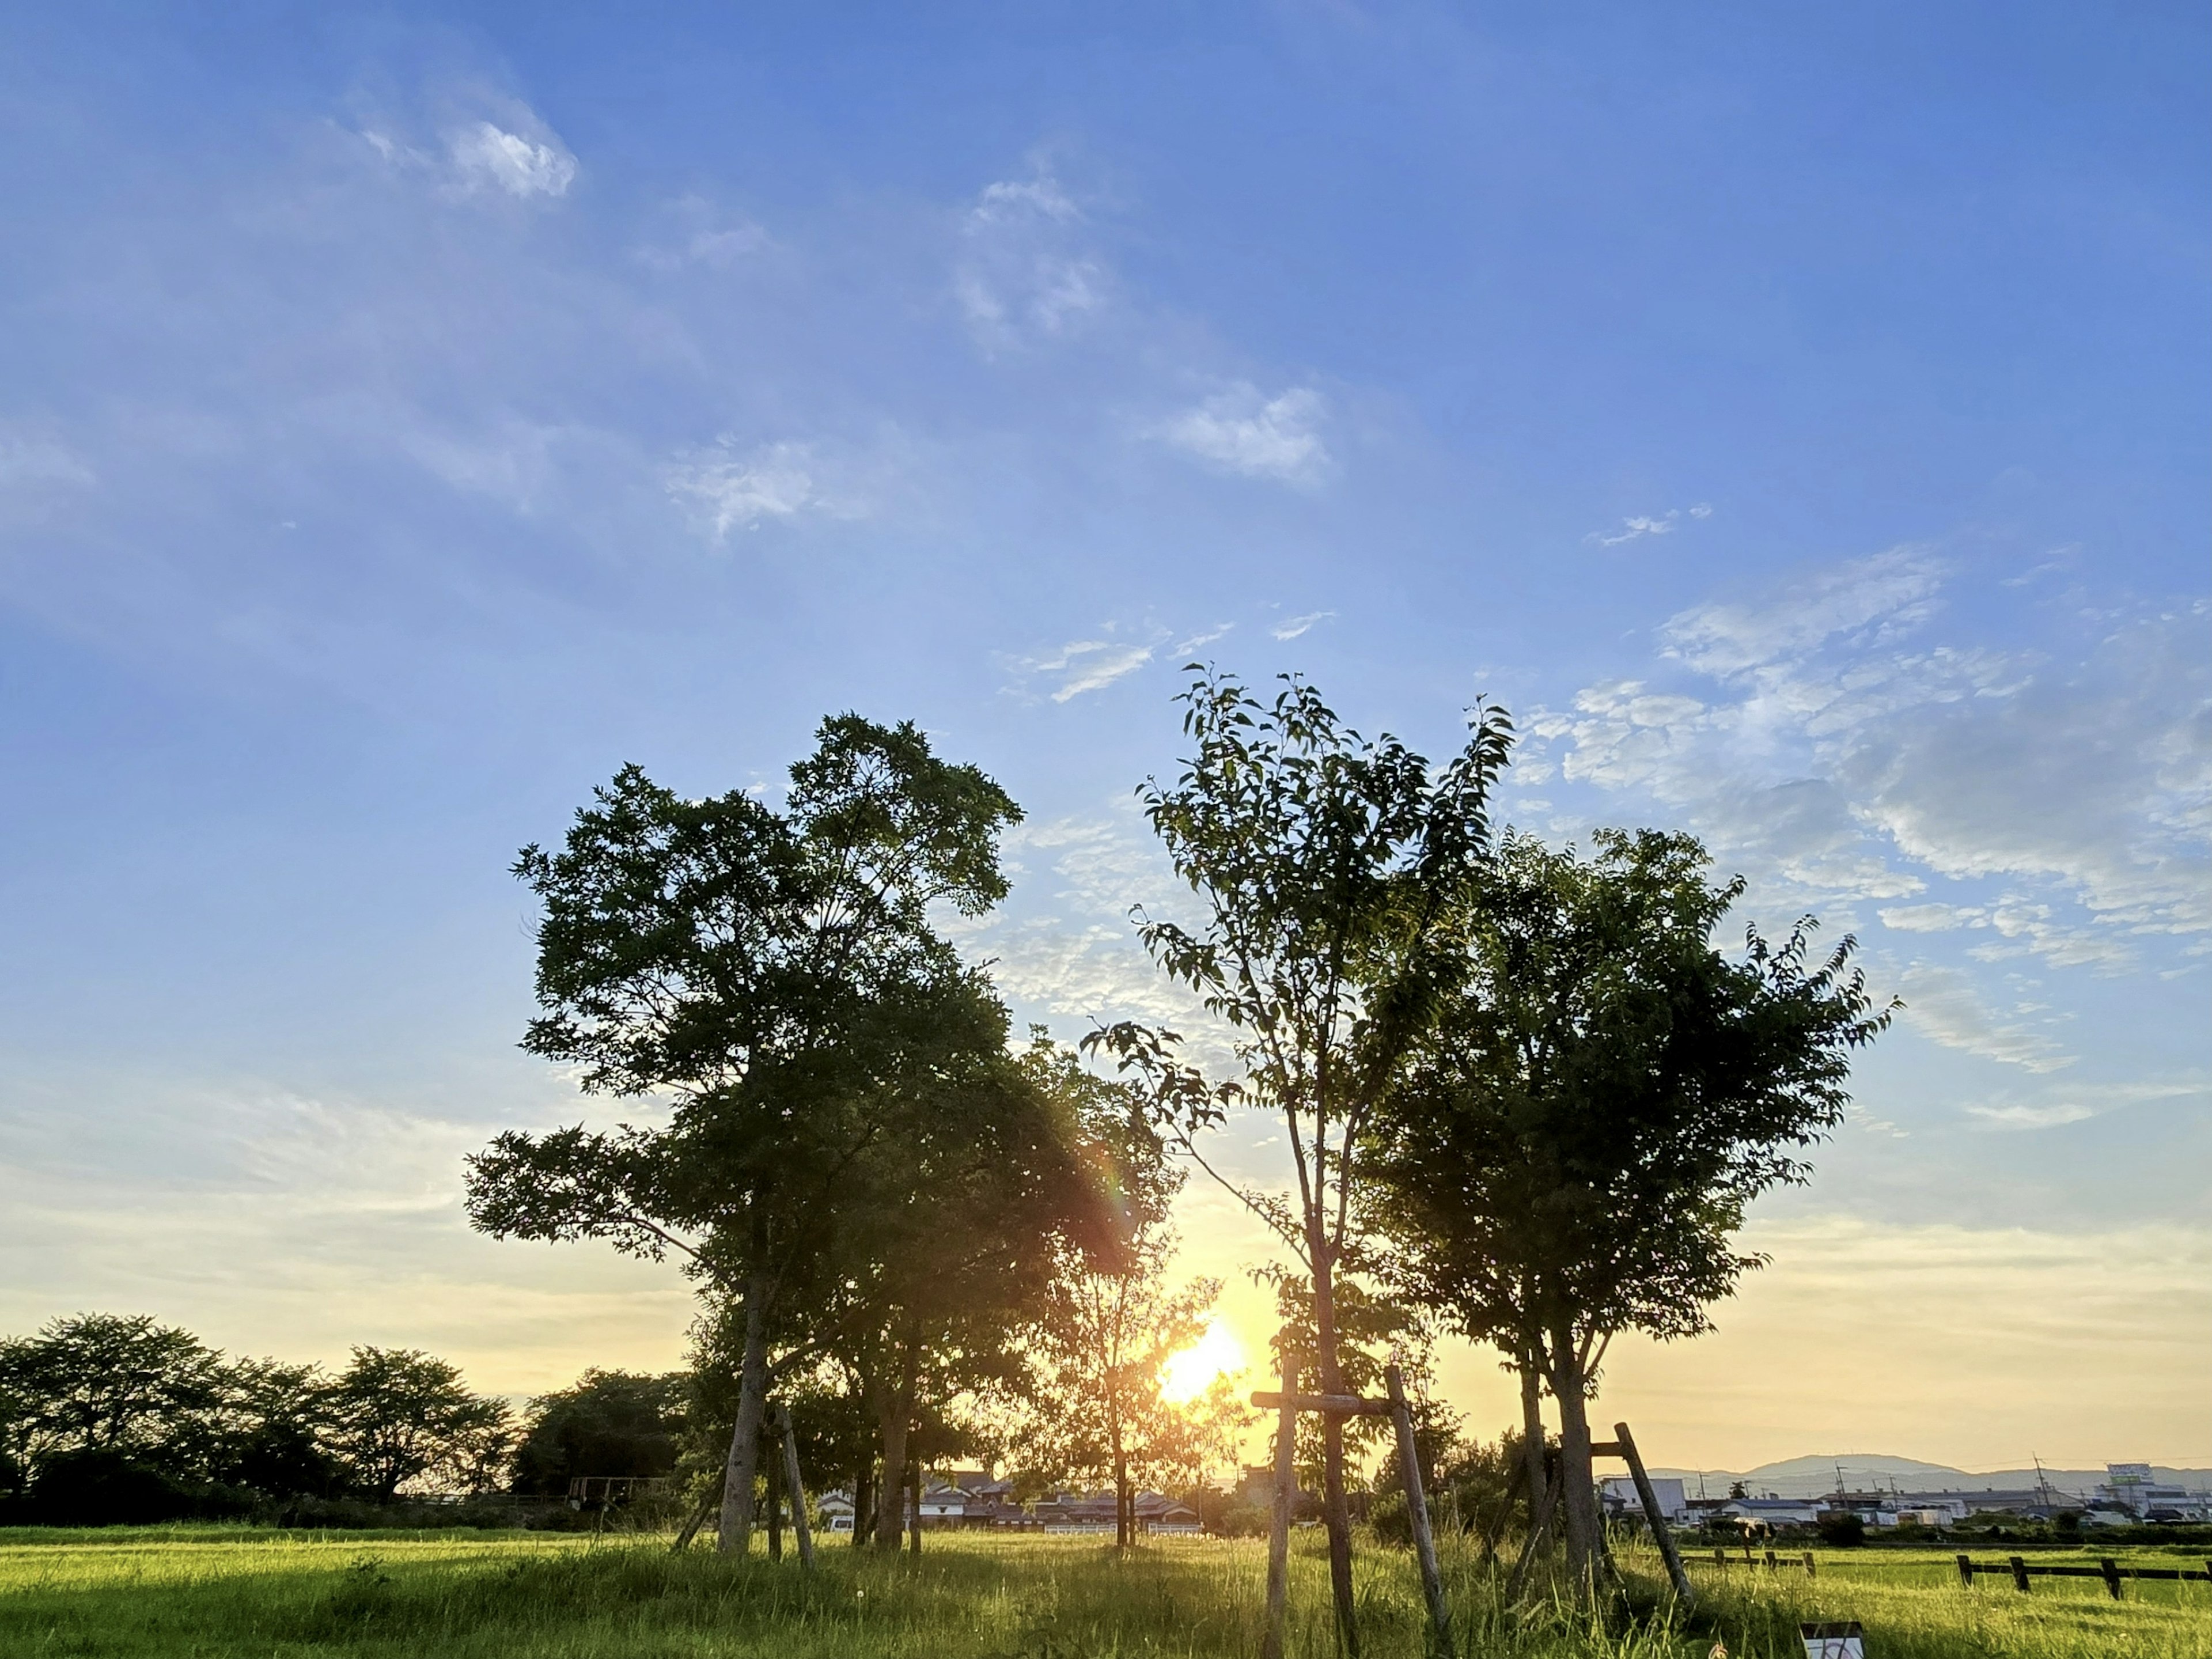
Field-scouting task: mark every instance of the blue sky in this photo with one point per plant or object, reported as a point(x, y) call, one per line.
point(1799, 420)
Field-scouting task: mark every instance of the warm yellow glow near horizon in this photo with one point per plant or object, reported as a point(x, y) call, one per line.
point(1190, 1373)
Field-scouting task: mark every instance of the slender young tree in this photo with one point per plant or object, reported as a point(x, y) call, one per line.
point(777, 973)
point(1573, 1144)
point(1323, 864)
point(1114, 1319)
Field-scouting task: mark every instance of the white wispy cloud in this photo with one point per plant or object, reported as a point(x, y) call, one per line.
point(510, 460)
point(1206, 637)
point(1024, 273)
point(734, 487)
point(29, 462)
point(487, 157)
point(1829, 752)
point(1291, 627)
point(1642, 525)
point(738, 490)
point(1243, 431)
point(1088, 665)
point(2059, 1104)
point(1944, 1004)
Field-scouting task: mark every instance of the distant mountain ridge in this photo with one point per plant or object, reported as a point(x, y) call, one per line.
point(1810, 1477)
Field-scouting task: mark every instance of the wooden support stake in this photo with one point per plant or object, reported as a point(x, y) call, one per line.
point(1279, 1532)
point(775, 1473)
point(1660, 1534)
point(1416, 1511)
point(2020, 1574)
point(1538, 1524)
point(800, 1522)
point(2112, 1571)
point(1808, 1563)
point(1966, 1571)
point(698, 1519)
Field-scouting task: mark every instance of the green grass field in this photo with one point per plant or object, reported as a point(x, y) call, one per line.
point(198, 1593)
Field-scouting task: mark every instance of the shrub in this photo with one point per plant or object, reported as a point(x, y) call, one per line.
point(1842, 1528)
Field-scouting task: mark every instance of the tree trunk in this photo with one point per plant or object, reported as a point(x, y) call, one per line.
point(1532, 1429)
point(737, 1531)
point(864, 1497)
point(1578, 1493)
point(890, 1500)
point(1122, 1529)
point(899, 1456)
point(1334, 1511)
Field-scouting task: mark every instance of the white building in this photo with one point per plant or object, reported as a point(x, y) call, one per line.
point(1619, 1493)
point(2137, 1488)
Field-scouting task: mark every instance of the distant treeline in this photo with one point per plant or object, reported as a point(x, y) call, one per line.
point(106, 1420)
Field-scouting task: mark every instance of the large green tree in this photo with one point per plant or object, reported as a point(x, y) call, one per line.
point(776, 973)
point(1323, 864)
point(1570, 1147)
point(114, 1383)
point(609, 1423)
point(400, 1417)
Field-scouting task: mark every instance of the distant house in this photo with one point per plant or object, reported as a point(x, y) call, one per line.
point(1770, 1511)
point(1070, 1511)
point(1157, 1513)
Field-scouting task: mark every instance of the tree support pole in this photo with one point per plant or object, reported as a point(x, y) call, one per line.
point(1279, 1532)
point(1416, 1511)
point(801, 1525)
point(1625, 1443)
point(1538, 1526)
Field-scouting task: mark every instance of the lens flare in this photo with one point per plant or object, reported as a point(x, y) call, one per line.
point(1189, 1374)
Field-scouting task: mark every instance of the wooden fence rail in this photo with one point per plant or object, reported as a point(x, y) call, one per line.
point(2108, 1569)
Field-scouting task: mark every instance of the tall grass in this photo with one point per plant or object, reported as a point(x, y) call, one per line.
point(193, 1593)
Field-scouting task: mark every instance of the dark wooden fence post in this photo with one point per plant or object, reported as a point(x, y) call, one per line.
point(1278, 1531)
point(1966, 1571)
point(1808, 1563)
point(2112, 1571)
point(2020, 1574)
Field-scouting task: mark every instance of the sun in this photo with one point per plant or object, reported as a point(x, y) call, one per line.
point(1189, 1374)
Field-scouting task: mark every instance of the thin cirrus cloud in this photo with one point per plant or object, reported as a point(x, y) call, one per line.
point(28, 463)
point(1292, 627)
point(1642, 525)
point(1944, 1004)
point(1025, 272)
point(729, 488)
point(1243, 431)
point(1088, 665)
